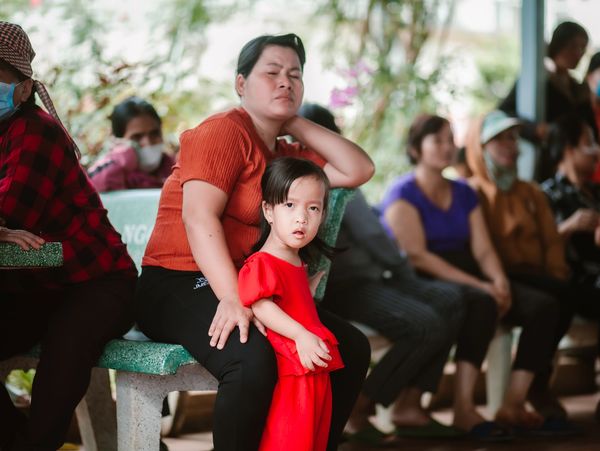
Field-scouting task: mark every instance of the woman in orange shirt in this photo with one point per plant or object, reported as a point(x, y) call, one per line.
point(208, 220)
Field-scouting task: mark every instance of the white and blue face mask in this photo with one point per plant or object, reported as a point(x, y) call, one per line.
point(7, 105)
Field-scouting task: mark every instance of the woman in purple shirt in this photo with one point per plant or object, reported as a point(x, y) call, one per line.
point(440, 225)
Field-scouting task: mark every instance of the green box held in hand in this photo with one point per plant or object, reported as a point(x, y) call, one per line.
point(48, 255)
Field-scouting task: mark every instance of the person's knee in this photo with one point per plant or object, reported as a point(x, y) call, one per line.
point(546, 310)
point(484, 309)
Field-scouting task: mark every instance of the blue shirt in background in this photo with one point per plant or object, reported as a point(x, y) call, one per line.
point(445, 230)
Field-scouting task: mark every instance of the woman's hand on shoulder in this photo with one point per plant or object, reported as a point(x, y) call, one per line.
point(229, 315)
point(24, 239)
point(348, 165)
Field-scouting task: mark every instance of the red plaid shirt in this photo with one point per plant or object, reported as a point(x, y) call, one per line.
point(44, 190)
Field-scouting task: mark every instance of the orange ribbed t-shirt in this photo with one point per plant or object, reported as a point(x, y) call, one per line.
point(225, 151)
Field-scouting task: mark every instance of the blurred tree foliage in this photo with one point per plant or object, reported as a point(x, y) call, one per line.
point(392, 57)
point(498, 69)
point(85, 80)
point(392, 60)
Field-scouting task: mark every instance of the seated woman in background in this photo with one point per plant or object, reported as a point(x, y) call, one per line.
point(441, 227)
point(563, 93)
point(575, 200)
point(524, 234)
point(138, 158)
point(592, 78)
point(370, 282)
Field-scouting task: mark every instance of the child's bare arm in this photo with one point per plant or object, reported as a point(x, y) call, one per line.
point(311, 349)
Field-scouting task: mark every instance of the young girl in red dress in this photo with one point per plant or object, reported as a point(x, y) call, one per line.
point(275, 284)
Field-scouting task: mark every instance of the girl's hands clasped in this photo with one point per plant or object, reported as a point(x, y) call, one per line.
point(311, 350)
point(230, 314)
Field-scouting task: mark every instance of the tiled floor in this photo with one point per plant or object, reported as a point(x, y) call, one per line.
point(581, 410)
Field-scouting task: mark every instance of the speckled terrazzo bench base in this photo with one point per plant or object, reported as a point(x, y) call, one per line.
point(146, 372)
point(49, 255)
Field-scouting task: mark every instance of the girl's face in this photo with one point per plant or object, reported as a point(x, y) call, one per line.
point(584, 157)
point(144, 130)
point(437, 149)
point(296, 222)
point(274, 88)
point(503, 148)
point(569, 56)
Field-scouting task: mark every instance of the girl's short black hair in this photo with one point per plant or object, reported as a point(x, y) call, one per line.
point(565, 132)
point(252, 50)
point(275, 184)
point(423, 125)
point(563, 34)
point(128, 109)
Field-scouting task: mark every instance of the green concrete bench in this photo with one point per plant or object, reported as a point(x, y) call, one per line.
point(147, 371)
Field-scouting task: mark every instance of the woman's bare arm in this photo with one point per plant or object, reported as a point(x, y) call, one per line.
point(348, 165)
point(405, 222)
point(203, 205)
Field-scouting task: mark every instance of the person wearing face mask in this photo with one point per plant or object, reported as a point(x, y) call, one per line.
point(524, 234)
point(137, 158)
point(564, 94)
point(575, 200)
point(72, 310)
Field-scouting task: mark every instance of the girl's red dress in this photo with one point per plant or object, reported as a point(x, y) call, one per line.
point(300, 412)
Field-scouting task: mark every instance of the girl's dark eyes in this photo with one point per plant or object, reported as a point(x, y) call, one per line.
point(289, 204)
point(315, 208)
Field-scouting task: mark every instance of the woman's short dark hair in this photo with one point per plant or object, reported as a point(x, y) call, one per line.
point(319, 115)
point(423, 125)
point(127, 110)
point(251, 52)
point(276, 182)
point(563, 34)
point(565, 132)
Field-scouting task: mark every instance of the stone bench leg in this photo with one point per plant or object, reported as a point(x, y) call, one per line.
point(139, 403)
point(499, 359)
point(96, 414)
point(139, 407)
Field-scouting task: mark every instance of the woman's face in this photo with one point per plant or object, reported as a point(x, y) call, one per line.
point(584, 157)
point(438, 149)
point(22, 89)
point(569, 56)
point(144, 130)
point(503, 148)
point(274, 88)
